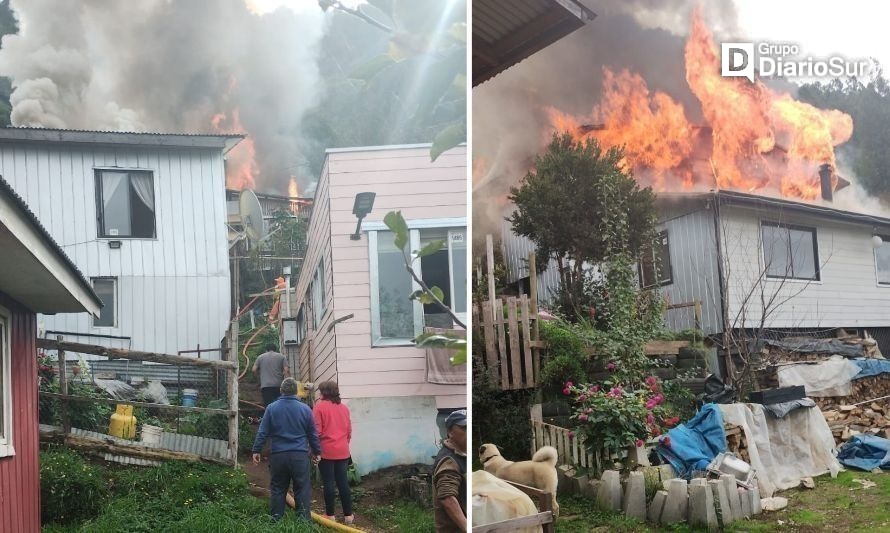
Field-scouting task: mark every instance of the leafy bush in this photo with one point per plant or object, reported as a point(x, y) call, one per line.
point(612, 417)
point(70, 489)
point(500, 417)
point(565, 356)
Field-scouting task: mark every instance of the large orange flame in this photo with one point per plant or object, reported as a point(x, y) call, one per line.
point(293, 192)
point(241, 166)
point(754, 139)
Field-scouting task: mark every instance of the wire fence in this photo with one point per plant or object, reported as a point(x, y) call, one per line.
point(126, 403)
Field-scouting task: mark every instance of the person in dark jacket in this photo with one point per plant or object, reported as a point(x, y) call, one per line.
point(289, 426)
point(450, 477)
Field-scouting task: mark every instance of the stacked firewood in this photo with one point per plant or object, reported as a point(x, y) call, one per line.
point(847, 420)
point(736, 442)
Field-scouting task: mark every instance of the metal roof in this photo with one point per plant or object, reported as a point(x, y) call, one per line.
point(7, 190)
point(766, 202)
point(223, 141)
point(507, 31)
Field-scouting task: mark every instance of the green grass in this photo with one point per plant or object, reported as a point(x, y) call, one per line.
point(402, 516)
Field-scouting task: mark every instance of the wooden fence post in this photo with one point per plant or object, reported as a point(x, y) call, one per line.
point(489, 252)
point(63, 387)
point(232, 392)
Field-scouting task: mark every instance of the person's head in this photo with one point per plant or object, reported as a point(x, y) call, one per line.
point(271, 347)
point(330, 391)
point(289, 387)
point(456, 426)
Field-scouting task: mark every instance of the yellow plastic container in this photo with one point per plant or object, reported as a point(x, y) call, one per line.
point(123, 423)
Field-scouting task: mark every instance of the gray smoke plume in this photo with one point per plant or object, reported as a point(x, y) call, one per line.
point(510, 123)
point(156, 65)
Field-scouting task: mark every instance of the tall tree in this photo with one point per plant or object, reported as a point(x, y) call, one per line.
point(581, 206)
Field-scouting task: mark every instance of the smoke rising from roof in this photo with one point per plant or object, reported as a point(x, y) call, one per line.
point(157, 65)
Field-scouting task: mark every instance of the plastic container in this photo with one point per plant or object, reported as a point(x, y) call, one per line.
point(123, 423)
point(189, 397)
point(151, 435)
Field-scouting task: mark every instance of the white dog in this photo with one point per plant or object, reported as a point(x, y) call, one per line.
point(495, 500)
point(539, 473)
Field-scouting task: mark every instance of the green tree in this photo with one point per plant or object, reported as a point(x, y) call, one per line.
point(869, 105)
point(580, 206)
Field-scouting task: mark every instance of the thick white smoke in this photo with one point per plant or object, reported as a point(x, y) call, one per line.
point(169, 66)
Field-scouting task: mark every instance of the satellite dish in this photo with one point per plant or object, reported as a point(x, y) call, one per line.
point(251, 213)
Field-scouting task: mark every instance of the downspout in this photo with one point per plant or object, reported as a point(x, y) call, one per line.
point(724, 312)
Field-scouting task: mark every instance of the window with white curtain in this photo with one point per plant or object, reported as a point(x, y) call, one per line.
point(395, 318)
point(6, 448)
point(126, 203)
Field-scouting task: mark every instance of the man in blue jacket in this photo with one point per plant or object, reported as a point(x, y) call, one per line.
point(289, 425)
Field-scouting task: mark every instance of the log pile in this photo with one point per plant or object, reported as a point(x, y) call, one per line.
point(846, 420)
point(736, 442)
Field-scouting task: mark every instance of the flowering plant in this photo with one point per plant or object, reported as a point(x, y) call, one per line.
point(613, 416)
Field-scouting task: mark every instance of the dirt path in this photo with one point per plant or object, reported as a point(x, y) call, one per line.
point(376, 490)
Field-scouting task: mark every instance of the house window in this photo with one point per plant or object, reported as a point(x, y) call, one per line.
point(301, 326)
point(6, 448)
point(318, 294)
point(126, 203)
point(882, 261)
point(790, 252)
point(655, 263)
point(106, 290)
point(396, 319)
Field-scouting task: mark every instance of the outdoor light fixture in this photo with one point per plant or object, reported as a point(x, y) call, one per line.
point(877, 241)
point(114, 245)
point(364, 202)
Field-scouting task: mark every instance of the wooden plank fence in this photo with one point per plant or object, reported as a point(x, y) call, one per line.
point(571, 449)
point(512, 352)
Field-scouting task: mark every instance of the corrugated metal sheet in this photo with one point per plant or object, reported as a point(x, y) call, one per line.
point(516, 249)
point(176, 442)
point(19, 474)
point(507, 31)
point(694, 271)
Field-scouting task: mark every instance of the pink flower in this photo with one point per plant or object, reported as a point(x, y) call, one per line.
point(655, 431)
point(615, 392)
point(639, 443)
point(571, 434)
point(651, 381)
point(650, 419)
point(566, 391)
point(582, 417)
point(650, 404)
point(569, 384)
point(659, 398)
point(666, 441)
point(588, 410)
point(595, 389)
point(582, 398)
point(611, 365)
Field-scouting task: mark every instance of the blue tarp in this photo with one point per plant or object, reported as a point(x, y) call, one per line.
point(871, 367)
point(865, 452)
point(696, 443)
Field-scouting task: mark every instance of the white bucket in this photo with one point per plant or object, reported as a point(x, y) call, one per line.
point(151, 435)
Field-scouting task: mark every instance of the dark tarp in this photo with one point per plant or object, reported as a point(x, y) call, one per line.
point(865, 452)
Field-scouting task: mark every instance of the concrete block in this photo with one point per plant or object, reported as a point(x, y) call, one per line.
point(608, 494)
point(657, 506)
point(589, 490)
point(718, 490)
point(637, 456)
point(634, 504)
point(578, 483)
point(733, 494)
point(756, 508)
point(565, 479)
point(701, 507)
point(745, 501)
point(677, 503)
point(655, 475)
point(698, 482)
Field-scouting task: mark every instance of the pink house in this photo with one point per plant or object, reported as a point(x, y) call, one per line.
point(354, 321)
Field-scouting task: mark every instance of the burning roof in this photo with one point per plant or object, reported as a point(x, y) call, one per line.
point(754, 139)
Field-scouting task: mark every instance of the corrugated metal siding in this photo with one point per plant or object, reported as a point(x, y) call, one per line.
point(693, 250)
point(516, 249)
point(20, 474)
point(493, 19)
point(184, 269)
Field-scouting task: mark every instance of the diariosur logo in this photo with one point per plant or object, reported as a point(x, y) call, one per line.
point(783, 60)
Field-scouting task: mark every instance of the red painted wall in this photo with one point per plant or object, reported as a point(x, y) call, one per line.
point(20, 474)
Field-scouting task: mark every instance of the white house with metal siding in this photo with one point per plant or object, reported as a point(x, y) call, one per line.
point(143, 217)
point(351, 299)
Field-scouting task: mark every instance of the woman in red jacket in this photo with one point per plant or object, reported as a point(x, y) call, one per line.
point(335, 432)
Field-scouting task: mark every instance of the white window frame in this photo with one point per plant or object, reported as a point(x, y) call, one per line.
point(100, 207)
point(115, 322)
point(6, 437)
point(414, 227)
point(319, 306)
point(788, 226)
